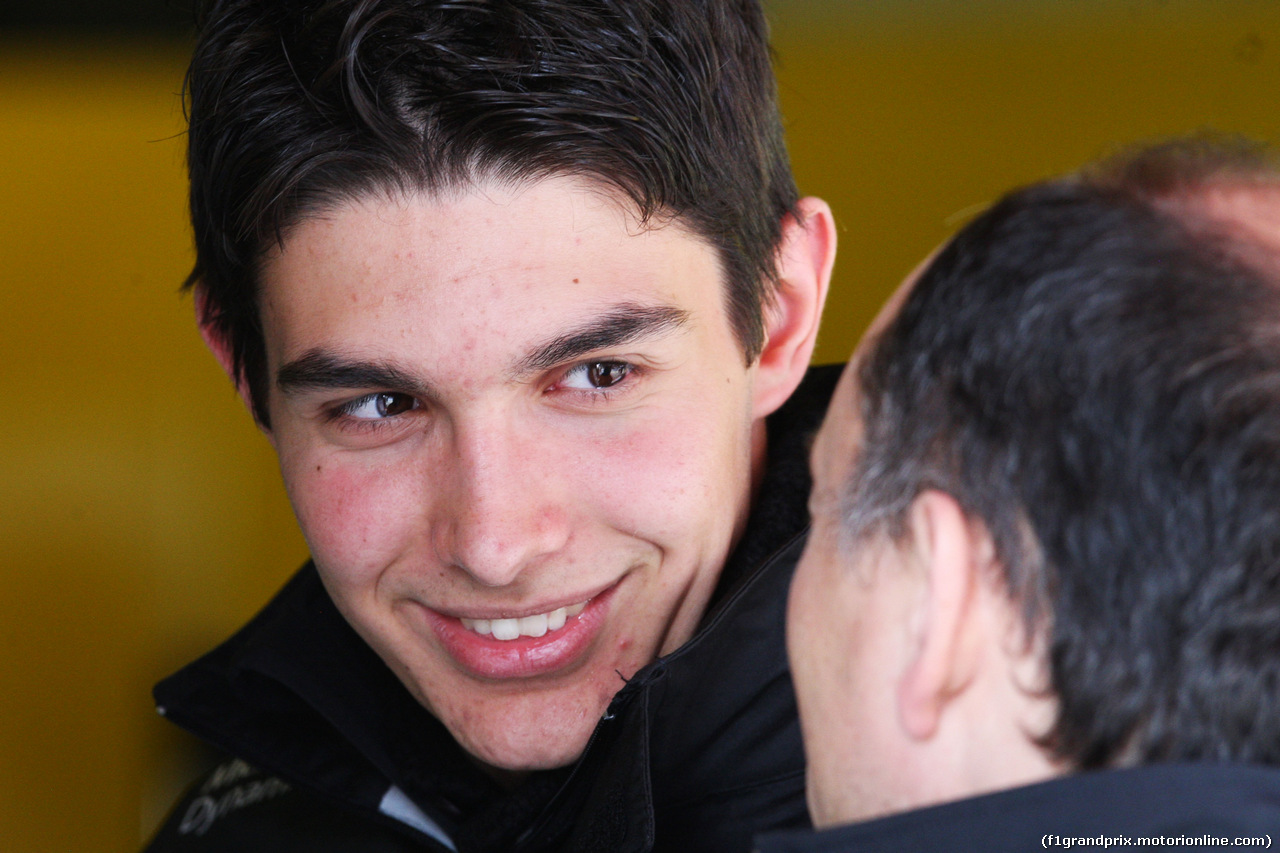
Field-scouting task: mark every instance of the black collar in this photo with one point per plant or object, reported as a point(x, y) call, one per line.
point(1195, 803)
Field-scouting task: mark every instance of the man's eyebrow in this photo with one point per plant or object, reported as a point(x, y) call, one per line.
point(623, 325)
point(321, 370)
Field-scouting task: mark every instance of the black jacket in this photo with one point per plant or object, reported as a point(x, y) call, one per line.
point(1187, 806)
point(697, 752)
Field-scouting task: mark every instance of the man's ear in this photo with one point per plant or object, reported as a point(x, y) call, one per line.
point(956, 557)
point(216, 340)
point(805, 257)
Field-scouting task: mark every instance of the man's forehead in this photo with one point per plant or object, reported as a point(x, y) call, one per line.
point(836, 443)
point(581, 203)
point(840, 440)
point(1252, 211)
point(479, 243)
point(493, 230)
point(889, 312)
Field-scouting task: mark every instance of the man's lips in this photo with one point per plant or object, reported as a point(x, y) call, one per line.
point(526, 646)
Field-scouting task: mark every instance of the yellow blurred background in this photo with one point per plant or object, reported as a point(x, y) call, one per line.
point(142, 518)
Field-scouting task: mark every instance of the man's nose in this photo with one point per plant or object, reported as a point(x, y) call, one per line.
point(503, 509)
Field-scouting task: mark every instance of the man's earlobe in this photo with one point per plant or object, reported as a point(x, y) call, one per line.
point(954, 557)
point(805, 257)
point(216, 340)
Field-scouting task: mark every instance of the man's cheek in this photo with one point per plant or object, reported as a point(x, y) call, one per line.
point(671, 472)
point(352, 518)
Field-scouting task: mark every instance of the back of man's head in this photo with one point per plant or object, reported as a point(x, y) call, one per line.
point(298, 106)
point(1091, 369)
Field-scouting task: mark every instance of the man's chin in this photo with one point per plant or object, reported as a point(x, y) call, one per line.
point(510, 757)
point(542, 727)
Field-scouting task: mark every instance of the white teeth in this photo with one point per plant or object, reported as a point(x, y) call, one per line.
point(505, 629)
point(534, 626)
point(537, 625)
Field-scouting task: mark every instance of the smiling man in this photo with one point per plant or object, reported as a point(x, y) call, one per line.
point(1040, 606)
point(518, 292)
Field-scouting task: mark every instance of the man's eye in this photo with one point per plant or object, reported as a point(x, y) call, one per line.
point(596, 375)
point(384, 404)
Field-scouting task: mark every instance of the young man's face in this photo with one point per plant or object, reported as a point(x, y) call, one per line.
point(518, 432)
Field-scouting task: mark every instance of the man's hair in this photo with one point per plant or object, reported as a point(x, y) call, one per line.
point(296, 106)
point(1092, 370)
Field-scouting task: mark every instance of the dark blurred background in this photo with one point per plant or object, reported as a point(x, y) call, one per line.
point(155, 17)
point(143, 519)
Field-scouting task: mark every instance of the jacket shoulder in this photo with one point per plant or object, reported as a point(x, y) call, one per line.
point(237, 807)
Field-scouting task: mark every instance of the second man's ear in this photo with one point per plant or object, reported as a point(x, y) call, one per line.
point(947, 627)
point(806, 255)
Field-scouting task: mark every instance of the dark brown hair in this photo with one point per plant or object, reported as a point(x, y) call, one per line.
point(297, 105)
point(1092, 369)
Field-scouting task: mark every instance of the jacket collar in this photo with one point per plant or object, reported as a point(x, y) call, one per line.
point(1187, 801)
